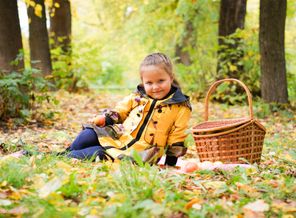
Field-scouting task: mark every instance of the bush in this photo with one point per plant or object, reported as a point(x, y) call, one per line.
point(20, 91)
point(239, 58)
point(64, 74)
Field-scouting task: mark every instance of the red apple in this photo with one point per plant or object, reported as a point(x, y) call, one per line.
point(190, 167)
point(99, 120)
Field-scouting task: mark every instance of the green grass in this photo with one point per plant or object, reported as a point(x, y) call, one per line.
point(127, 190)
point(14, 172)
point(45, 185)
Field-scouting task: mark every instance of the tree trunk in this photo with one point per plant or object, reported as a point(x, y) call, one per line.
point(232, 17)
point(272, 50)
point(10, 36)
point(60, 24)
point(38, 39)
point(186, 42)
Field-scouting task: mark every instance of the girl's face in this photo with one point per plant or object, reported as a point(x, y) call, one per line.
point(157, 82)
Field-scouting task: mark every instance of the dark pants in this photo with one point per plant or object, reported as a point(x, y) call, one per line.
point(87, 146)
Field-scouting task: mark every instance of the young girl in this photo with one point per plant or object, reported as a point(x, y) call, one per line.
point(151, 121)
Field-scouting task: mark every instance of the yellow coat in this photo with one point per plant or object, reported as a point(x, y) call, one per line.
point(150, 127)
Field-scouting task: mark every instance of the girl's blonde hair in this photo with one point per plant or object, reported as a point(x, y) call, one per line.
point(161, 60)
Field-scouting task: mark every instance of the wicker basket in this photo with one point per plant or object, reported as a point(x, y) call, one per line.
point(229, 140)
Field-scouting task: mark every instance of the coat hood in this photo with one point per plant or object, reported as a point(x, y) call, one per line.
point(175, 96)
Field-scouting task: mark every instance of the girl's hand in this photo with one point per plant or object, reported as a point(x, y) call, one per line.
point(99, 120)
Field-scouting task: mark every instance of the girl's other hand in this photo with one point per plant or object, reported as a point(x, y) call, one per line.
point(99, 120)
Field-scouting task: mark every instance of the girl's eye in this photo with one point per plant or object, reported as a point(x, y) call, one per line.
point(148, 83)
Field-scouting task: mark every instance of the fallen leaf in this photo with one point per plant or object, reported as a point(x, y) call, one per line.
point(50, 187)
point(4, 202)
point(3, 195)
point(62, 165)
point(19, 210)
point(196, 206)
point(255, 209)
point(253, 214)
point(3, 184)
point(214, 184)
point(258, 206)
point(15, 195)
point(193, 202)
point(15, 211)
point(32, 161)
point(159, 195)
point(284, 206)
point(250, 191)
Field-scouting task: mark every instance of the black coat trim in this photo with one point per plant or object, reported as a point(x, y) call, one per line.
point(177, 98)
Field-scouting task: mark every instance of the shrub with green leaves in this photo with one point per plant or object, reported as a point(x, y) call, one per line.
point(63, 74)
point(20, 91)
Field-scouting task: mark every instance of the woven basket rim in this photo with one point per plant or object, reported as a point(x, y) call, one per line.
point(230, 130)
point(219, 124)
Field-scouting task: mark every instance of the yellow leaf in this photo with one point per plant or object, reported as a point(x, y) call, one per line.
point(232, 68)
point(250, 53)
point(289, 158)
point(285, 207)
point(193, 202)
point(251, 170)
point(32, 161)
point(56, 199)
point(93, 200)
point(62, 165)
point(38, 180)
point(214, 184)
point(93, 212)
point(48, 2)
point(30, 3)
point(252, 192)
point(38, 10)
point(3, 184)
point(116, 198)
point(15, 195)
point(159, 195)
point(57, 5)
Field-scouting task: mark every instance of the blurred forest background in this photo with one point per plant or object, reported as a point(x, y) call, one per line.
point(46, 45)
point(63, 61)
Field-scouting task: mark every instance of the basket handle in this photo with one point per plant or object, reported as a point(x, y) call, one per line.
point(216, 84)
